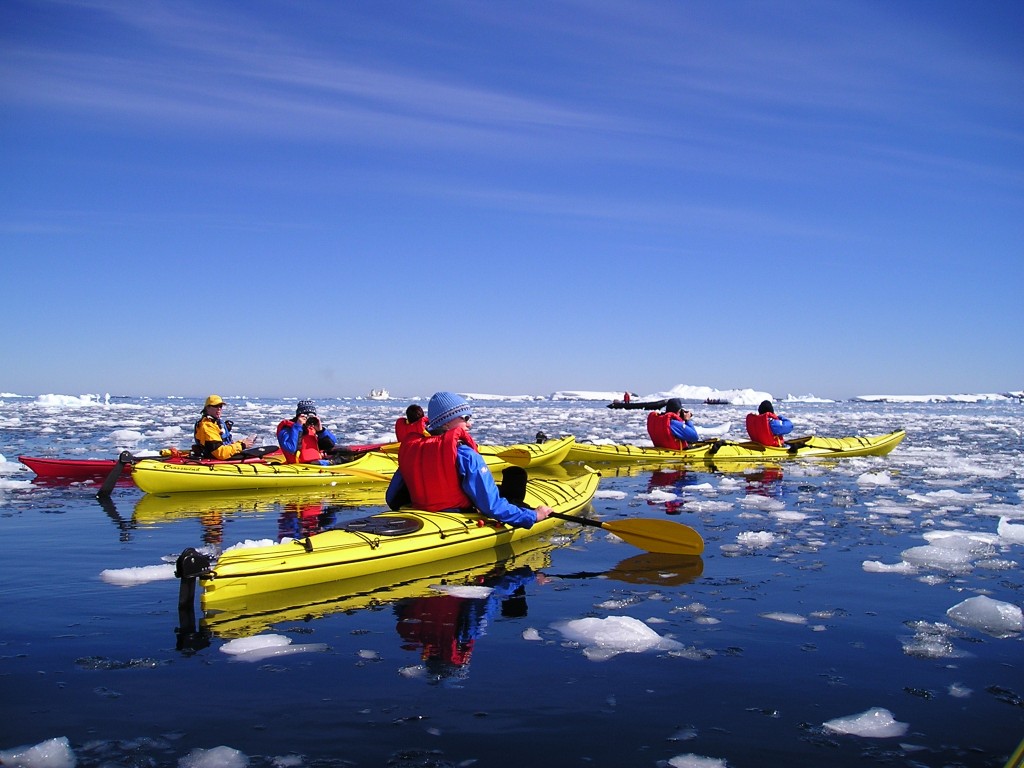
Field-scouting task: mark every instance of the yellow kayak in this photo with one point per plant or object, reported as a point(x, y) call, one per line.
point(384, 542)
point(154, 476)
point(726, 451)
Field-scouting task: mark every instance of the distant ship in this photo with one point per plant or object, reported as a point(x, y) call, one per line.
point(379, 394)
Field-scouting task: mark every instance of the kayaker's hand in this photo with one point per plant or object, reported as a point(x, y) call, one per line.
point(543, 512)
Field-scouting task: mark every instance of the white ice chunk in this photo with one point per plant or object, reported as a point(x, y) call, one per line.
point(994, 617)
point(130, 577)
point(262, 647)
point(875, 478)
point(691, 760)
point(757, 539)
point(1010, 532)
point(875, 723)
point(218, 757)
point(874, 566)
point(472, 591)
point(604, 638)
point(785, 618)
point(54, 753)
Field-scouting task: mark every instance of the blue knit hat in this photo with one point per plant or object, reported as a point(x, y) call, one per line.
point(306, 406)
point(443, 407)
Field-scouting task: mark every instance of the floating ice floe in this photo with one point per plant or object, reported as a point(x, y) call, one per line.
point(218, 757)
point(902, 567)
point(261, 647)
point(54, 753)
point(932, 640)
point(785, 618)
point(875, 723)
point(1010, 532)
point(757, 539)
point(604, 638)
point(993, 617)
point(691, 760)
point(875, 478)
point(765, 503)
point(130, 577)
point(952, 551)
point(948, 498)
point(471, 591)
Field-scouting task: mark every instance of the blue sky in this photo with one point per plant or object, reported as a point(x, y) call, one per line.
point(320, 198)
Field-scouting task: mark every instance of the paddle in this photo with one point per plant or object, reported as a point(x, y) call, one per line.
point(647, 533)
point(123, 460)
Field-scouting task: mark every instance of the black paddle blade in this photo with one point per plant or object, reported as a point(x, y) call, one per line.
point(115, 474)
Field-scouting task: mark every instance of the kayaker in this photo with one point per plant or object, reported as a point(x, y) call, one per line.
point(673, 428)
point(413, 421)
point(304, 439)
point(767, 427)
point(444, 470)
point(212, 436)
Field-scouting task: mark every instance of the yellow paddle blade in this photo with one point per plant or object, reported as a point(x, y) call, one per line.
point(658, 535)
point(665, 536)
point(520, 457)
point(369, 474)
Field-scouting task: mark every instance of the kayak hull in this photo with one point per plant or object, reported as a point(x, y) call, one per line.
point(71, 470)
point(724, 451)
point(84, 470)
point(345, 554)
point(162, 477)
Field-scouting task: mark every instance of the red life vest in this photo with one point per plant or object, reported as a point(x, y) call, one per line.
point(427, 463)
point(658, 427)
point(760, 430)
point(405, 427)
point(309, 448)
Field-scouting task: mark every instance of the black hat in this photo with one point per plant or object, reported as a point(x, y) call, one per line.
point(674, 405)
point(306, 406)
point(766, 407)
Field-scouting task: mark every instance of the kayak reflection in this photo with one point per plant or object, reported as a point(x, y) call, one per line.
point(301, 511)
point(655, 568)
point(444, 627)
point(250, 614)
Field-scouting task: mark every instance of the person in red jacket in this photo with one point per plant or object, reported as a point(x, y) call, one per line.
point(413, 421)
point(767, 427)
point(443, 470)
point(672, 429)
point(304, 439)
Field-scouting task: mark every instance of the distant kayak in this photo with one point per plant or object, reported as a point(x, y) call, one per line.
point(721, 451)
point(650, 405)
point(84, 470)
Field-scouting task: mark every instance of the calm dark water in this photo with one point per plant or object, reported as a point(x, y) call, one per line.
point(779, 628)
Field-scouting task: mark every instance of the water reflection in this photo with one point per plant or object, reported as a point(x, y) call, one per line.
point(444, 628)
